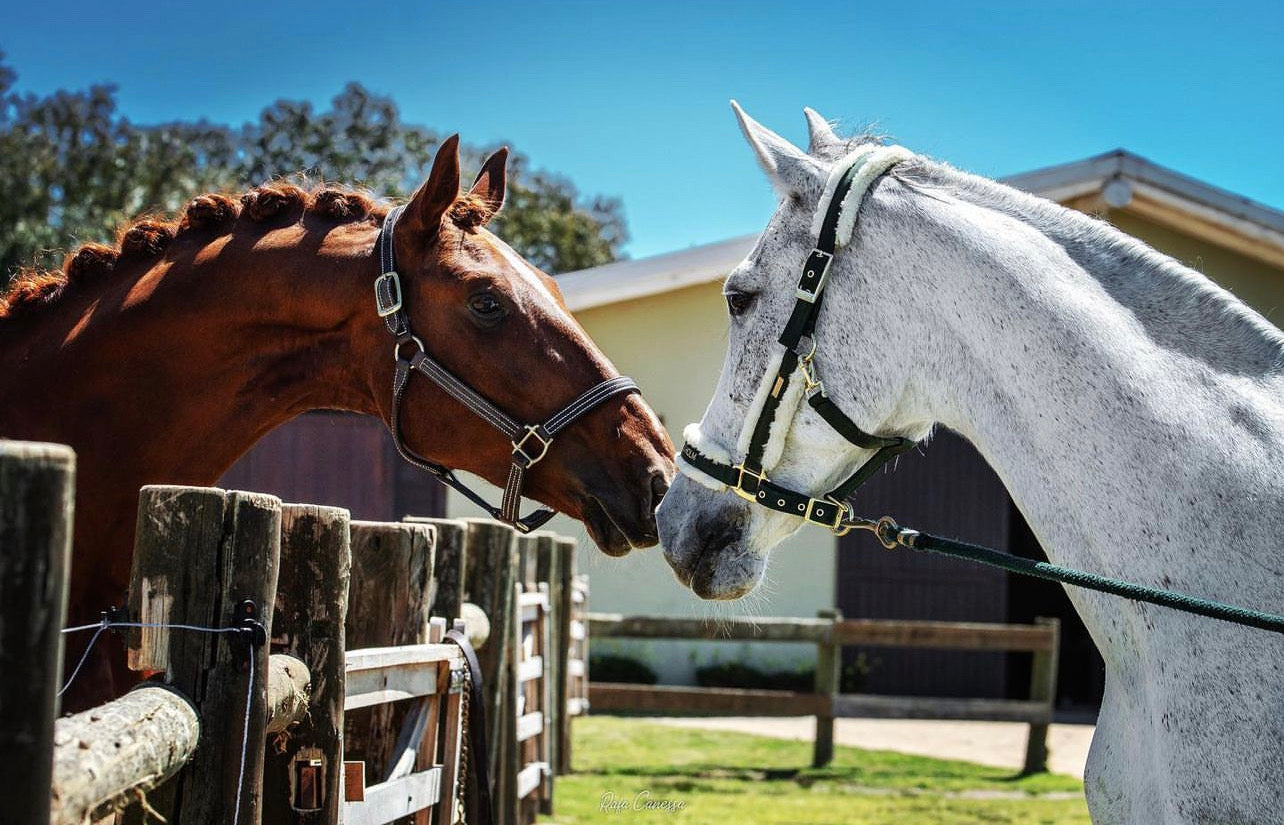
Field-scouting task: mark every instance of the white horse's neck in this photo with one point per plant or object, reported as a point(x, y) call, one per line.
point(1136, 414)
point(1132, 408)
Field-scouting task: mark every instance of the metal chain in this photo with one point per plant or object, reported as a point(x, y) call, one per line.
point(461, 792)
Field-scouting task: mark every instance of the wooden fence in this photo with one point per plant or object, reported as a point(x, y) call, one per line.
point(829, 632)
point(356, 709)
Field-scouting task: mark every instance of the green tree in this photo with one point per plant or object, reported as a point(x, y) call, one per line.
point(72, 170)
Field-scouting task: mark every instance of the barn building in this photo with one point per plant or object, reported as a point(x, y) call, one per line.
point(662, 320)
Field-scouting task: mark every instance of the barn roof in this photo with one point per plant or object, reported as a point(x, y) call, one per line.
point(1118, 180)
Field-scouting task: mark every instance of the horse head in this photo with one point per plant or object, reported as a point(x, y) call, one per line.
point(499, 325)
point(718, 543)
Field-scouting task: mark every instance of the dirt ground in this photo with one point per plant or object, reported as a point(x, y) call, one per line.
point(1001, 744)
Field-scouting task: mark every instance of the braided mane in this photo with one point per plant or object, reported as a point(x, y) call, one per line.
point(208, 216)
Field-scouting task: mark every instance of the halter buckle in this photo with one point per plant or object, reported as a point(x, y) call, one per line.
point(387, 289)
point(739, 489)
point(523, 458)
point(815, 271)
point(841, 509)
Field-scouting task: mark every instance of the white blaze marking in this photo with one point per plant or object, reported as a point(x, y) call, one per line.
point(530, 276)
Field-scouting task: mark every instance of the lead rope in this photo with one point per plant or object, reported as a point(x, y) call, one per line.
point(891, 535)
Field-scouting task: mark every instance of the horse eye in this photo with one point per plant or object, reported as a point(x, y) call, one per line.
point(486, 306)
point(738, 303)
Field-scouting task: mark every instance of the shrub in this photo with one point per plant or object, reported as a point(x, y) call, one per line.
point(737, 675)
point(609, 667)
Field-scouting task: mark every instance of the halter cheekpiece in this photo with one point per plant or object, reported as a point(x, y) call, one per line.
point(835, 220)
point(530, 442)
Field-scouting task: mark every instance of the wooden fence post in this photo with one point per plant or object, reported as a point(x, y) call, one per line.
point(527, 551)
point(561, 691)
point(37, 486)
point(489, 584)
point(199, 552)
point(303, 775)
point(548, 568)
point(1043, 688)
point(829, 667)
point(389, 596)
point(450, 562)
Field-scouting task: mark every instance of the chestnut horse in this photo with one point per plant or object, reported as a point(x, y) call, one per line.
point(164, 359)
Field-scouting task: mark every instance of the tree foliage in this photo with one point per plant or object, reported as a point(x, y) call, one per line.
point(72, 170)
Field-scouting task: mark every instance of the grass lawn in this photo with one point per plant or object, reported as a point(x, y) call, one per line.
point(717, 778)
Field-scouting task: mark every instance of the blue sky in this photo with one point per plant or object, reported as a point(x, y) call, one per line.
point(630, 99)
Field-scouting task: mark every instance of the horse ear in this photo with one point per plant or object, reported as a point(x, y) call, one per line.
point(492, 180)
point(820, 134)
point(786, 165)
point(431, 200)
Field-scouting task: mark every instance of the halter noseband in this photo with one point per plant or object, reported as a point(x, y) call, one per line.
point(530, 441)
point(835, 220)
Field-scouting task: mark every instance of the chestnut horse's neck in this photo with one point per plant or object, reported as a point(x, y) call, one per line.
point(169, 372)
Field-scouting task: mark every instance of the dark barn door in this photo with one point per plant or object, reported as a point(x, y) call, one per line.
point(338, 459)
point(1081, 677)
point(949, 489)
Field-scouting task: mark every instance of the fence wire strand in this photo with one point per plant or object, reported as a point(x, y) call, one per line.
point(107, 624)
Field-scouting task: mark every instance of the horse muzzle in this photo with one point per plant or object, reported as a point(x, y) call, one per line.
point(706, 542)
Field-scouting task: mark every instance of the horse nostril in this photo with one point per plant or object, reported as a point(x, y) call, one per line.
point(659, 486)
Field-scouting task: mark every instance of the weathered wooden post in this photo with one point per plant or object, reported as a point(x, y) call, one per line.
point(389, 596)
point(203, 557)
point(1043, 688)
point(548, 568)
point(489, 583)
point(37, 487)
point(452, 747)
point(527, 552)
point(829, 665)
point(449, 565)
point(545, 635)
point(303, 775)
point(561, 691)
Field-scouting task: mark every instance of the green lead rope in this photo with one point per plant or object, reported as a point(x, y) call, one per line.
point(893, 535)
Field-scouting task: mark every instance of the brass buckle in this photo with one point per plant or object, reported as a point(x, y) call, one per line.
point(841, 509)
point(519, 446)
point(394, 294)
point(740, 490)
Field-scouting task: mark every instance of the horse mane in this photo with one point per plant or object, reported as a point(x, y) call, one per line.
point(209, 216)
point(1180, 308)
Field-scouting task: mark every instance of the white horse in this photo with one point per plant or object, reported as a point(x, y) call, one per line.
point(1133, 409)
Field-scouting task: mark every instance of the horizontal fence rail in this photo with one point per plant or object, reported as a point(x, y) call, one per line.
point(829, 632)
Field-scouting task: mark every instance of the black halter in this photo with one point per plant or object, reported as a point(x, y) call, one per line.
point(530, 441)
point(748, 479)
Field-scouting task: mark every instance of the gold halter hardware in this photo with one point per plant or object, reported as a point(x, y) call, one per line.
point(811, 383)
point(740, 490)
